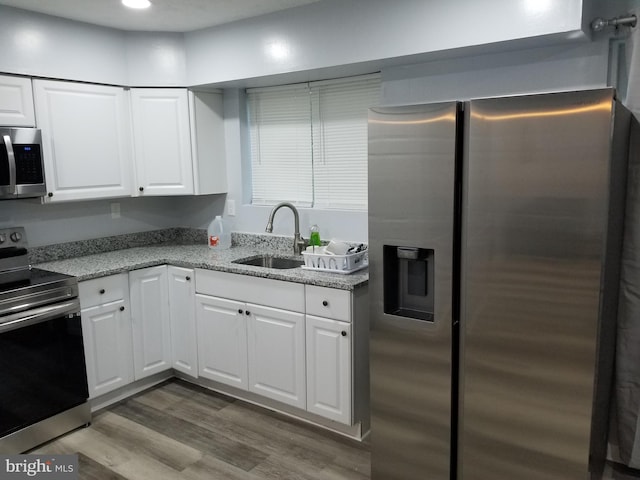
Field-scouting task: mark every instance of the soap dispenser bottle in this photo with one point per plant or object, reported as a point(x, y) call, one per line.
point(314, 237)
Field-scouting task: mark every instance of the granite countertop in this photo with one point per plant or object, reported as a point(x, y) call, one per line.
point(196, 256)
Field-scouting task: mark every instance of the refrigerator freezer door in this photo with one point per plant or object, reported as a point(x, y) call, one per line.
point(412, 165)
point(535, 232)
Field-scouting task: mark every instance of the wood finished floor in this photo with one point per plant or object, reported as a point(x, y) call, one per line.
point(181, 431)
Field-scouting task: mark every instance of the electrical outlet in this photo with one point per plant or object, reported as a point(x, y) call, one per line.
point(231, 208)
point(115, 210)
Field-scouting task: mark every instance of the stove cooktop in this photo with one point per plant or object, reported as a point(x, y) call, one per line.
point(23, 287)
point(37, 277)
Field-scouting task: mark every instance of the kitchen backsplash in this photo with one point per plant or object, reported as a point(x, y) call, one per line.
point(62, 251)
point(174, 236)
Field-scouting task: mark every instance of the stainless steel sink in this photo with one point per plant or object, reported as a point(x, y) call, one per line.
point(270, 261)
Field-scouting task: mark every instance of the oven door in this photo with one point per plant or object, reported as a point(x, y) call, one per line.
point(42, 365)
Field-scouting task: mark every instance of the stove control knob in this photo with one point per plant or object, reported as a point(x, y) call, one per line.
point(15, 237)
point(3, 238)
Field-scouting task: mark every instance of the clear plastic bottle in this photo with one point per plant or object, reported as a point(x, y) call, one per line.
point(219, 236)
point(314, 236)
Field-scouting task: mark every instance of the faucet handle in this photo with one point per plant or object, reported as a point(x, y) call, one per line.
point(299, 244)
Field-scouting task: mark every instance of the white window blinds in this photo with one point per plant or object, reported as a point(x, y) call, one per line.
point(339, 126)
point(309, 142)
point(280, 132)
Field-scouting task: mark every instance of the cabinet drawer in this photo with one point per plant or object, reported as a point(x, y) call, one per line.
point(328, 302)
point(103, 290)
point(244, 288)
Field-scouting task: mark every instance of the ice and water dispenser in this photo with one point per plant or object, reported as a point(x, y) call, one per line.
point(408, 282)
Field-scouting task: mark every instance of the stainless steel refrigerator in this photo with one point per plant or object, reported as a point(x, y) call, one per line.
point(494, 242)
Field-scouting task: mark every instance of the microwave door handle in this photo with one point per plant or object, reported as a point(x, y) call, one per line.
point(12, 163)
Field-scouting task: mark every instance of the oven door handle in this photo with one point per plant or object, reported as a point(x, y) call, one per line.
point(39, 315)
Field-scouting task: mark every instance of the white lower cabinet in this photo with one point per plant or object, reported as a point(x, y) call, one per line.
point(252, 347)
point(138, 324)
point(182, 314)
point(251, 334)
point(222, 340)
point(280, 340)
point(329, 369)
point(151, 323)
point(284, 341)
point(106, 327)
point(276, 343)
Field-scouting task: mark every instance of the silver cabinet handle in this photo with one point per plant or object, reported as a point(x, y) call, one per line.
point(12, 163)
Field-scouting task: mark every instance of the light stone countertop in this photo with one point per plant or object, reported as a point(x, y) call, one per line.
point(196, 256)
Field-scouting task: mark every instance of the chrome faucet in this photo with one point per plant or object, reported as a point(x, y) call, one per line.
point(299, 243)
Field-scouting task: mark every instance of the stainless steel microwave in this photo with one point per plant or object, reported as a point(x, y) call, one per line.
point(21, 164)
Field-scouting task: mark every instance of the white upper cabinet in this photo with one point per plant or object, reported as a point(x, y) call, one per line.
point(177, 146)
point(86, 140)
point(162, 141)
point(207, 142)
point(16, 102)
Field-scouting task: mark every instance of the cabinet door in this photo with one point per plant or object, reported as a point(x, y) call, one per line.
point(182, 312)
point(162, 141)
point(277, 354)
point(86, 140)
point(16, 102)
point(222, 340)
point(150, 318)
point(329, 368)
point(106, 330)
point(207, 143)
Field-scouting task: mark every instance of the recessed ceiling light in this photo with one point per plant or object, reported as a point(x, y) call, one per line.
point(136, 3)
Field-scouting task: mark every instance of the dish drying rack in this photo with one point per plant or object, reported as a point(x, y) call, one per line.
point(344, 264)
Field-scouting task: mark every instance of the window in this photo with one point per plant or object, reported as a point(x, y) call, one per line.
point(309, 142)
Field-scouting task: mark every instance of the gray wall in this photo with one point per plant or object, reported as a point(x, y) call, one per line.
point(358, 34)
point(111, 56)
point(371, 32)
point(64, 222)
point(522, 71)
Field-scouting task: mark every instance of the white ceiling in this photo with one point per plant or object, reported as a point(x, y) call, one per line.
point(162, 16)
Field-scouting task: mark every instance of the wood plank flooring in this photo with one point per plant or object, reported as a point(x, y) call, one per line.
point(182, 431)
